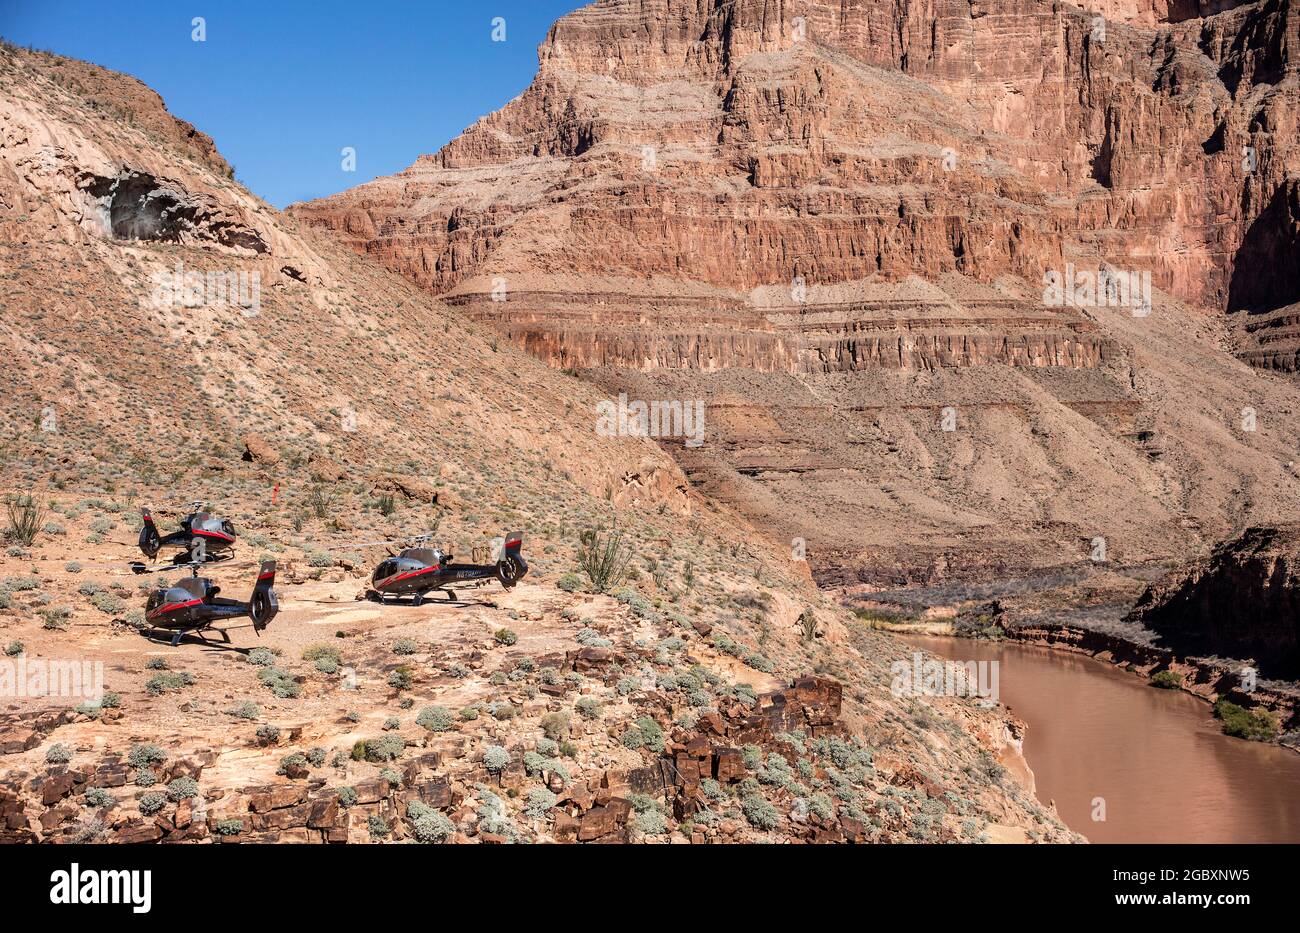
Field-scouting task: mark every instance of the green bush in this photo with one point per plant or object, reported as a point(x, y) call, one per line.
point(145, 755)
point(504, 636)
point(405, 646)
point(429, 826)
point(279, 682)
point(603, 556)
point(1257, 725)
point(245, 710)
point(495, 758)
point(570, 582)
point(182, 787)
point(230, 827)
point(347, 797)
point(13, 649)
point(435, 719)
point(98, 797)
point(760, 813)
point(588, 707)
point(385, 748)
point(1166, 680)
point(159, 684)
point(152, 802)
point(262, 657)
point(539, 802)
point(58, 754)
point(555, 726)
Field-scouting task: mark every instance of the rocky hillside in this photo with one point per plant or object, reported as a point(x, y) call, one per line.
point(169, 337)
point(1240, 601)
point(831, 222)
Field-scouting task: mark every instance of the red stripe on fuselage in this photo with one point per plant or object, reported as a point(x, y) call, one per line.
point(406, 575)
point(213, 534)
point(172, 607)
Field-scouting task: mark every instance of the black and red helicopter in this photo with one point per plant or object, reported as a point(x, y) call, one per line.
point(203, 538)
point(422, 570)
point(192, 605)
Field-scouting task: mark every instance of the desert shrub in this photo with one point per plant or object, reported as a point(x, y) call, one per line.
point(503, 636)
point(347, 797)
point(55, 618)
point(760, 662)
point(268, 733)
point(539, 802)
point(713, 790)
point(107, 603)
point(296, 760)
point(316, 757)
point(428, 824)
point(495, 758)
point(262, 657)
point(570, 582)
point(651, 734)
point(435, 718)
point(182, 787)
point(603, 556)
point(245, 710)
point(231, 827)
point(146, 777)
point(760, 813)
point(326, 658)
point(98, 797)
point(492, 816)
point(650, 822)
point(469, 714)
point(152, 802)
point(405, 646)
point(1166, 680)
point(384, 748)
point(632, 738)
point(391, 776)
point(26, 516)
point(592, 639)
point(555, 726)
point(401, 678)
point(58, 753)
point(1257, 725)
point(156, 664)
point(279, 682)
point(13, 649)
point(378, 827)
point(145, 755)
point(588, 707)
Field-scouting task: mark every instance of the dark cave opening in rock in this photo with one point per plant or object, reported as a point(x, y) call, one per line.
point(139, 208)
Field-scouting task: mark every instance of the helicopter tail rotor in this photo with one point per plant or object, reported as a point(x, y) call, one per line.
point(150, 540)
point(511, 567)
point(263, 605)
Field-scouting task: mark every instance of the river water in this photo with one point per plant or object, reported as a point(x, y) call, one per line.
point(1155, 757)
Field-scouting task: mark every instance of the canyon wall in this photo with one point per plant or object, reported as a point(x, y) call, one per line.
point(837, 218)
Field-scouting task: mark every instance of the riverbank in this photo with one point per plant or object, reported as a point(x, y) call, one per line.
point(1206, 680)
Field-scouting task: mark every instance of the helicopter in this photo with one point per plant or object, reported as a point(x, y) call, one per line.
point(421, 570)
point(192, 604)
point(203, 538)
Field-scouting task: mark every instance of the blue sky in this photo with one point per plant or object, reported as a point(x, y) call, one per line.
point(284, 86)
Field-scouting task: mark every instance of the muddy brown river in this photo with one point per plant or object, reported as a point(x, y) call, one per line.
point(1156, 757)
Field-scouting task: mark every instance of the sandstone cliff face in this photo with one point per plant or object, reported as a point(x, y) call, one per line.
point(859, 200)
point(1241, 601)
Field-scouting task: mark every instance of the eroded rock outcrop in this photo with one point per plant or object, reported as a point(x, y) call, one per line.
point(1241, 601)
